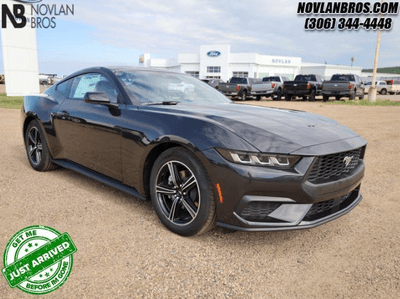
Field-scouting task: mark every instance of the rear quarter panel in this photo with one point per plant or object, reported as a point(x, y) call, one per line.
point(41, 107)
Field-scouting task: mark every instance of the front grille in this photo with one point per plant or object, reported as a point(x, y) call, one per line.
point(333, 165)
point(258, 211)
point(327, 205)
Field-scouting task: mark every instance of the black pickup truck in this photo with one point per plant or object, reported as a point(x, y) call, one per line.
point(303, 86)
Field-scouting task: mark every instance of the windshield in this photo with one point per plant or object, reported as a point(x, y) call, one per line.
point(343, 78)
point(269, 79)
point(154, 87)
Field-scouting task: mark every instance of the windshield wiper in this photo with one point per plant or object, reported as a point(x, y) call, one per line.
point(162, 103)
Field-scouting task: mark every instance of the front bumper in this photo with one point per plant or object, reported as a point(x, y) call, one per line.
point(298, 216)
point(265, 199)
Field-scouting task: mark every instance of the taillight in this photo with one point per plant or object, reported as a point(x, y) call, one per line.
point(273, 85)
point(238, 88)
point(351, 86)
point(309, 85)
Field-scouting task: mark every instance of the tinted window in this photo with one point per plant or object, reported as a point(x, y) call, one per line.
point(92, 83)
point(238, 80)
point(64, 87)
point(342, 78)
point(305, 78)
point(268, 79)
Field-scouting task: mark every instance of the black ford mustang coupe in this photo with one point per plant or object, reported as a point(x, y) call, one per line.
point(200, 158)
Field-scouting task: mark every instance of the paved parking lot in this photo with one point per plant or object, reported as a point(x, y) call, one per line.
point(124, 251)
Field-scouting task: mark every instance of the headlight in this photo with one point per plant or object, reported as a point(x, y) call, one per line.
point(258, 159)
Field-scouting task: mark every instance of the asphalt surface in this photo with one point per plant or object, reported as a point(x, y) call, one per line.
point(125, 252)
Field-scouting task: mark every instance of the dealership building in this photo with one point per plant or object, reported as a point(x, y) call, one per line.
point(217, 61)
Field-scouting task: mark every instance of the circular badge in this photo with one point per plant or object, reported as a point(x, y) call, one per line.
point(38, 259)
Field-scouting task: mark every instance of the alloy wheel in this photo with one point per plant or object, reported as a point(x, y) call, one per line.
point(35, 146)
point(178, 193)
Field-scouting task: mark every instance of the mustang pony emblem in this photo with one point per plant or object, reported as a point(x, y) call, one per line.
point(347, 160)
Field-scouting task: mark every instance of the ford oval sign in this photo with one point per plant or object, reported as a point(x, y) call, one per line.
point(214, 53)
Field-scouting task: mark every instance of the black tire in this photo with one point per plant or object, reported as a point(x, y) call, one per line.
point(243, 96)
point(362, 95)
point(384, 91)
point(185, 210)
point(279, 94)
point(288, 97)
point(352, 96)
point(337, 98)
point(36, 148)
point(304, 98)
point(325, 98)
point(258, 98)
point(312, 95)
point(391, 93)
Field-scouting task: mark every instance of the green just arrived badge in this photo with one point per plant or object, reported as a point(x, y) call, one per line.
point(38, 259)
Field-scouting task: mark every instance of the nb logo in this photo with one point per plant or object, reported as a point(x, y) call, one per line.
point(17, 14)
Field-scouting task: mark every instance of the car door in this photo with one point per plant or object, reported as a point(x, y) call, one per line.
point(89, 132)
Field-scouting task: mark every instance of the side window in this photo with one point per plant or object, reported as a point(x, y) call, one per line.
point(64, 88)
point(92, 83)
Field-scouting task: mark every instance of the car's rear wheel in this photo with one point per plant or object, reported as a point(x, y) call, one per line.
point(312, 95)
point(384, 91)
point(258, 98)
point(243, 96)
point(181, 193)
point(279, 94)
point(36, 148)
point(288, 97)
point(325, 98)
point(337, 98)
point(352, 96)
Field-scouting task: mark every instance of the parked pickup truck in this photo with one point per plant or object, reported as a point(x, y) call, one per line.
point(394, 86)
point(381, 87)
point(276, 84)
point(245, 87)
point(304, 86)
point(347, 85)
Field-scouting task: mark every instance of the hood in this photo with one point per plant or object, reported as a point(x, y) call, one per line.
point(270, 130)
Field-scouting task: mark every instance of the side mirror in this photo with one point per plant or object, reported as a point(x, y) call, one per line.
point(98, 98)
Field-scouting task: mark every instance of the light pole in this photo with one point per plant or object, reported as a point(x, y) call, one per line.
point(372, 90)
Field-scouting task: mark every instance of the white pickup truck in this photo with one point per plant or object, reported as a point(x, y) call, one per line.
point(393, 86)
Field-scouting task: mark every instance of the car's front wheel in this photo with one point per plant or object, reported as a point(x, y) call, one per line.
point(181, 193)
point(36, 148)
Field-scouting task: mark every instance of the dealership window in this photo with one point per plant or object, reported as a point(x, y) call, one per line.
point(240, 74)
point(213, 69)
point(194, 74)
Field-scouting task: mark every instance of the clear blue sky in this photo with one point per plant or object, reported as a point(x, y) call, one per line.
point(116, 32)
